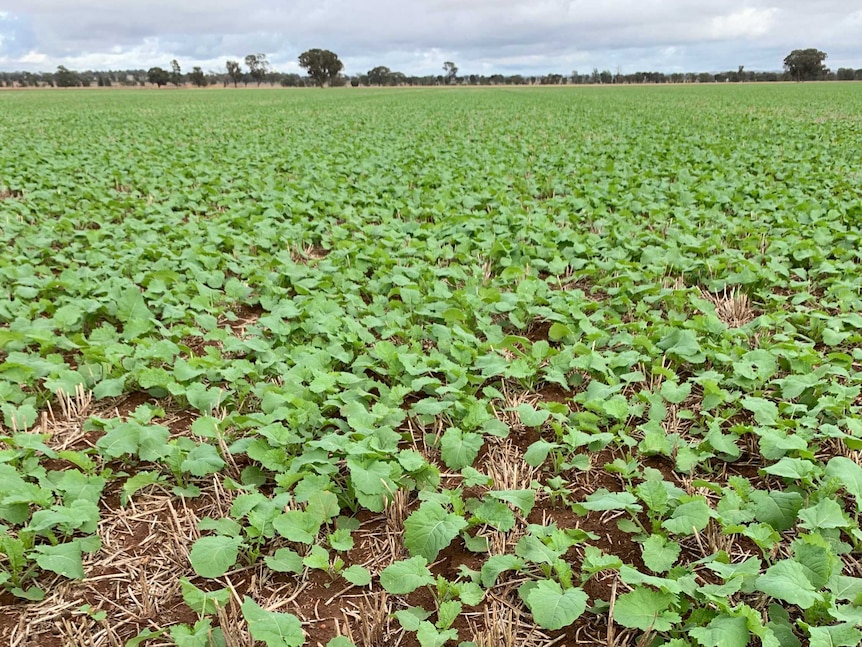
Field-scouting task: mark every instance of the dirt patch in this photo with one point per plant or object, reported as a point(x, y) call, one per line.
point(10, 194)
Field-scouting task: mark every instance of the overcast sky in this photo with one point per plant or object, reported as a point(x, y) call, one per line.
point(417, 36)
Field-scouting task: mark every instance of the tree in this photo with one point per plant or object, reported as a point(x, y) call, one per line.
point(65, 78)
point(806, 64)
point(234, 72)
point(322, 65)
point(197, 77)
point(176, 74)
point(846, 74)
point(257, 66)
point(451, 71)
point(158, 76)
point(380, 75)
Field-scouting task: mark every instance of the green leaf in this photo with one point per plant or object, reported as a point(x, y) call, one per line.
point(554, 608)
point(616, 407)
point(723, 631)
point(786, 581)
point(430, 529)
point(843, 635)
point(285, 560)
point(675, 393)
point(689, 518)
point(317, 558)
point(659, 555)
point(531, 417)
point(202, 460)
point(459, 449)
point(406, 576)
point(645, 609)
point(131, 306)
point(214, 556)
point(204, 603)
point(778, 509)
point(429, 636)
point(537, 453)
point(683, 343)
point(447, 612)
point(496, 565)
point(144, 635)
point(602, 500)
point(274, 629)
point(496, 514)
point(411, 617)
point(62, 559)
point(523, 500)
point(340, 641)
point(532, 549)
point(765, 412)
point(849, 474)
point(826, 514)
point(357, 575)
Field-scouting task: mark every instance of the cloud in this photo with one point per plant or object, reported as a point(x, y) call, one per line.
point(416, 36)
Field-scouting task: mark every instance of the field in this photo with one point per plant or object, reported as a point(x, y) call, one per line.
point(487, 367)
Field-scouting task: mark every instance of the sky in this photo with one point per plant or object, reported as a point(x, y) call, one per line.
point(418, 36)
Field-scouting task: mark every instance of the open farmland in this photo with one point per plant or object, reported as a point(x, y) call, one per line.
point(484, 367)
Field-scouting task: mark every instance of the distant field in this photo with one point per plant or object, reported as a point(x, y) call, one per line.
point(487, 367)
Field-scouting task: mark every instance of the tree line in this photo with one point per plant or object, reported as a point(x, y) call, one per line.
point(324, 68)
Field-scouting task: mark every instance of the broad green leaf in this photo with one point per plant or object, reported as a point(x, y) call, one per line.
point(284, 560)
point(552, 607)
point(63, 559)
point(429, 636)
point(215, 555)
point(401, 578)
point(495, 565)
point(274, 629)
point(202, 460)
point(765, 411)
point(357, 575)
point(530, 417)
point(523, 500)
point(723, 631)
point(340, 641)
point(659, 555)
point(203, 602)
point(459, 449)
point(602, 500)
point(430, 529)
point(778, 509)
point(447, 612)
point(689, 518)
point(849, 474)
point(843, 635)
point(645, 609)
point(786, 581)
point(826, 514)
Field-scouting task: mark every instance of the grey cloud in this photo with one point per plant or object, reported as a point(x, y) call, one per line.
point(417, 35)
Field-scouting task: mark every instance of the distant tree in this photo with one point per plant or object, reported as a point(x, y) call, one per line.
point(380, 75)
point(859, 74)
point(451, 72)
point(234, 72)
point(197, 77)
point(176, 75)
point(806, 64)
point(158, 76)
point(65, 78)
point(846, 74)
point(291, 80)
point(322, 65)
point(258, 67)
